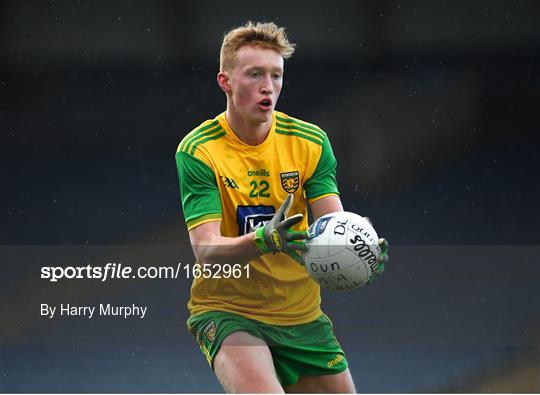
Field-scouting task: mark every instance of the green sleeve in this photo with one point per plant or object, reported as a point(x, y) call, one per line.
point(323, 180)
point(198, 189)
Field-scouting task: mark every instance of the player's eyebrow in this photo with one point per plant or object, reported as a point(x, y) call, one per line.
point(263, 68)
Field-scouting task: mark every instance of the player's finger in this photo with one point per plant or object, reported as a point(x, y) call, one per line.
point(298, 246)
point(383, 243)
point(291, 221)
point(380, 269)
point(284, 208)
point(296, 236)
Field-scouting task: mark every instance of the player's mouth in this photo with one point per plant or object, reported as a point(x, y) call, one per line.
point(265, 104)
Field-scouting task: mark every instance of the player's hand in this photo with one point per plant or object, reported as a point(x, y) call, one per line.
point(382, 259)
point(277, 236)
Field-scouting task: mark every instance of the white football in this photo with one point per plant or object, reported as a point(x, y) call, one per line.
point(342, 251)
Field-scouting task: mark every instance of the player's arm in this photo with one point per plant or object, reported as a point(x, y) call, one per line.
point(209, 246)
point(201, 203)
point(326, 205)
point(321, 187)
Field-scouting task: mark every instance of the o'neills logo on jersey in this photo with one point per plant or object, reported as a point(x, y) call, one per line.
point(260, 173)
point(290, 181)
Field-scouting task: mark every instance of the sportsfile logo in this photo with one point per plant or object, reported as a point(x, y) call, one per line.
point(110, 271)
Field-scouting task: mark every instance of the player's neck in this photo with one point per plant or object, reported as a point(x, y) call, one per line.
point(249, 132)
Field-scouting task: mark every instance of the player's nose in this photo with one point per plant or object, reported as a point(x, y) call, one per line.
point(266, 85)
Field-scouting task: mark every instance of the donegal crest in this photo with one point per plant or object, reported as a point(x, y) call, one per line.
point(210, 331)
point(290, 181)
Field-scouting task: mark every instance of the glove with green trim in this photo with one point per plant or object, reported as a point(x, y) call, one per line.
point(382, 259)
point(277, 236)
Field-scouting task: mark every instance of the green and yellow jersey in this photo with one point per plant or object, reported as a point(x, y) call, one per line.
point(224, 179)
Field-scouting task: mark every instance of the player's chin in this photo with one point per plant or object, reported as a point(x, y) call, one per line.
point(263, 116)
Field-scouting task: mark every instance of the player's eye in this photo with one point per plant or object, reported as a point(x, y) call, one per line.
point(276, 76)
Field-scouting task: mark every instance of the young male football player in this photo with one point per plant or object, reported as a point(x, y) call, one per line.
point(241, 175)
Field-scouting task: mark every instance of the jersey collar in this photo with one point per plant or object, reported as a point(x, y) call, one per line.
point(251, 149)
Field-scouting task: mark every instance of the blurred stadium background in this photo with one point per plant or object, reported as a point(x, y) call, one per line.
point(433, 112)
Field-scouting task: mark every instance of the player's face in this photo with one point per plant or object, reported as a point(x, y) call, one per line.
point(255, 83)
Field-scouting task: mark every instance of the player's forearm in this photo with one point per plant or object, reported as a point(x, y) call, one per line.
point(227, 250)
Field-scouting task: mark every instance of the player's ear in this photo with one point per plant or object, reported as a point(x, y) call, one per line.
point(223, 81)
